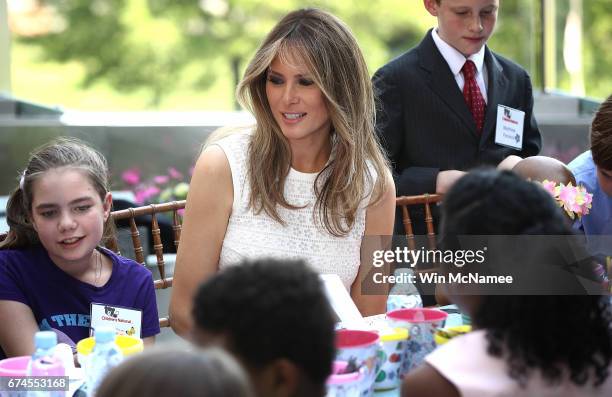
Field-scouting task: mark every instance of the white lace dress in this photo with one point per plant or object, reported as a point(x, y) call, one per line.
point(254, 236)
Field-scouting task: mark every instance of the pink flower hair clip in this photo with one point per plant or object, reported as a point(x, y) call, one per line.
point(575, 200)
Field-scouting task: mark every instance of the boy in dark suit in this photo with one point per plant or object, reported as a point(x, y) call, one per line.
point(439, 103)
point(451, 104)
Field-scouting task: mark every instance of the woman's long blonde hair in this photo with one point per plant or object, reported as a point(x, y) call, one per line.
point(331, 54)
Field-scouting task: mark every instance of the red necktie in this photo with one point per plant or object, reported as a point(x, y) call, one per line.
point(472, 95)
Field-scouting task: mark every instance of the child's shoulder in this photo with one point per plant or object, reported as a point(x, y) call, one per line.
point(584, 170)
point(583, 163)
point(512, 69)
point(21, 256)
point(128, 267)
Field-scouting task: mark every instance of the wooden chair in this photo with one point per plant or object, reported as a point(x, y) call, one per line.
point(130, 214)
point(425, 200)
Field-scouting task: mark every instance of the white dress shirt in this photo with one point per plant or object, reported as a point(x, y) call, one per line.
point(455, 61)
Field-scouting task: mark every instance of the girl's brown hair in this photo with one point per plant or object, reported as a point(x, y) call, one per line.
point(601, 136)
point(61, 152)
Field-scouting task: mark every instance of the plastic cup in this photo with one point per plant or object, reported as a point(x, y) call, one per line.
point(362, 347)
point(421, 324)
point(127, 344)
point(343, 385)
point(52, 367)
point(15, 366)
point(392, 356)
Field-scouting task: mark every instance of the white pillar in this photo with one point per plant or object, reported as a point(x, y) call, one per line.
point(572, 48)
point(550, 44)
point(5, 50)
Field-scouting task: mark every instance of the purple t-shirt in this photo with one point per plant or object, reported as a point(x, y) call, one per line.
point(62, 302)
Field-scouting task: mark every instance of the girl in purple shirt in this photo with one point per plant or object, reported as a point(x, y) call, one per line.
point(51, 265)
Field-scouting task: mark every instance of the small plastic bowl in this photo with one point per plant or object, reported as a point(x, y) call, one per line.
point(127, 344)
point(15, 366)
point(457, 330)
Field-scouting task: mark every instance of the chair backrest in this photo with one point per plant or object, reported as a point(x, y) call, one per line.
point(130, 214)
point(425, 200)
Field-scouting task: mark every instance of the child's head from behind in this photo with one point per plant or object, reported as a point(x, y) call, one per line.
point(510, 204)
point(541, 168)
point(62, 200)
point(466, 25)
point(550, 333)
point(274, 316)
point(174, 372)
point(601, 145)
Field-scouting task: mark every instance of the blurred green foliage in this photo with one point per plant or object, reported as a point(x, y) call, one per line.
point(157, 49)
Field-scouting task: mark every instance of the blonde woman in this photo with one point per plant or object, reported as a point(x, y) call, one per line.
point(308, 181)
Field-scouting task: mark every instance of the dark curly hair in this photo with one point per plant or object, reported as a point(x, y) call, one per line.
point(601, 135)
point(271, 309)
point(558, 335)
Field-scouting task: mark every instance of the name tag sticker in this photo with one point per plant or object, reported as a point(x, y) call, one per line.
point(509, 128)
point(124, 320)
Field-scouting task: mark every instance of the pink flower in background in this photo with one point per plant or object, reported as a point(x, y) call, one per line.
point(144, 194)
point(156, 189)
point(174, 173)
point(131, 176)
point(161, 179)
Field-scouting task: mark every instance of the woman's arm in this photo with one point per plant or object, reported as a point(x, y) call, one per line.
point(379, 223)
point(17, 329)
point(209, 205)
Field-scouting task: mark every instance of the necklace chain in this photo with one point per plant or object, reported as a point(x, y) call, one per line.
point(98, 270)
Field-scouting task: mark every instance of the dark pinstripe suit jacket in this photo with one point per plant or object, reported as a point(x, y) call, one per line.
point(425, 125)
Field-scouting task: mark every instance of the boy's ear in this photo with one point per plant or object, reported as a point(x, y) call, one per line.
point(431, 6)
point(107, 205)
point(283, 378)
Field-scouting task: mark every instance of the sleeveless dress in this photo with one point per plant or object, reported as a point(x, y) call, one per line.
point(251, 235)
point(465, 363)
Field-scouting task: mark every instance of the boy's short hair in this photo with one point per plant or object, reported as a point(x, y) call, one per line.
point(167, 371)
point(601, 135)
point(270, 309)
